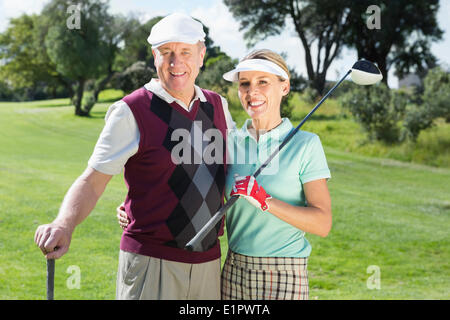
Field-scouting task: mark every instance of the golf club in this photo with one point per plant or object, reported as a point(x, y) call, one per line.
point(363, 72)
point(50, 278)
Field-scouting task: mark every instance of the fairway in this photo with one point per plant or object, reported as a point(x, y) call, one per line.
point(388, 216)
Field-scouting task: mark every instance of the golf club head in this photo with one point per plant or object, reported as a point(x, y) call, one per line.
point(365, 73)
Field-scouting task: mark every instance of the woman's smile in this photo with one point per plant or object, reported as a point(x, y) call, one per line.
point(256, 104)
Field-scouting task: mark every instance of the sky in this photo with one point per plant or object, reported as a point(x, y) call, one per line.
point(224, 29)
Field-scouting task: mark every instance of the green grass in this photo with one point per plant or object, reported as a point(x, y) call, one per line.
point(387, 213)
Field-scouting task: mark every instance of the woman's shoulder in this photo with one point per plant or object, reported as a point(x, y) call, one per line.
point(306, 137)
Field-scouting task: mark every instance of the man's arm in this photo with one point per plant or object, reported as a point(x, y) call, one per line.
point(118, 141)
point(54, 238)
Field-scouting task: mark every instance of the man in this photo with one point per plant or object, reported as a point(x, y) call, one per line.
point(172, 191)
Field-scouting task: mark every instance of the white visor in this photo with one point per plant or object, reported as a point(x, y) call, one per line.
point(255, 65)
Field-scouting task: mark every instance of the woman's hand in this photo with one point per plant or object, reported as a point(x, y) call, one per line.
point(122, 216)
point(248, 187)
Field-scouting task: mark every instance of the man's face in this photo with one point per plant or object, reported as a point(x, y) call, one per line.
point(178, 65)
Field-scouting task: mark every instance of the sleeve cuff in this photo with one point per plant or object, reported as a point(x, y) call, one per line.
point(324, 174)
point(104, 168)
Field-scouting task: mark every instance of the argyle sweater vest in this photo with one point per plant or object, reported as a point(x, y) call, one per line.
point(173, 186)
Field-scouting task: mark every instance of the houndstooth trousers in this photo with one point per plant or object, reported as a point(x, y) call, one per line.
point(264, 278)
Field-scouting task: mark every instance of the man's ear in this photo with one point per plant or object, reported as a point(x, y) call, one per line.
point(202, 54)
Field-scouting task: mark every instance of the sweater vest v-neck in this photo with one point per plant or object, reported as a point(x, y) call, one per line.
point(170, 198)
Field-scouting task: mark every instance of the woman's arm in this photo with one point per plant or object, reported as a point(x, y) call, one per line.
point(315, 218)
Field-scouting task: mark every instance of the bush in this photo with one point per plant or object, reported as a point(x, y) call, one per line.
point(310, 95)
point(417, 118)
point(211, 77)
point(436, 95)
point(286, 106)
point(378, 109)
point(432, 103)
point(134, 77)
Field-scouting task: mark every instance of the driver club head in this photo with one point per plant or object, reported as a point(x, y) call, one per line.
point(365, 73)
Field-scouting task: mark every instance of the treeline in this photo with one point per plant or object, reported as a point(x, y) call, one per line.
point(394, 33)
point(78, 50)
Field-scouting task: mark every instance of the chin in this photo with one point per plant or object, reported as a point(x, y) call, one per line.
point(180, 87)
point(260, 114)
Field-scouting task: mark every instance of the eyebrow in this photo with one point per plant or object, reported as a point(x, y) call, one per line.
point(182, 49)
point(246, 79)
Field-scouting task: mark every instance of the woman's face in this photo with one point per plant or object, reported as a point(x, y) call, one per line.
point(261, 93)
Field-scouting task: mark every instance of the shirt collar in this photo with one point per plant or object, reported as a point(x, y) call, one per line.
point(278, 133)
point(155, 86)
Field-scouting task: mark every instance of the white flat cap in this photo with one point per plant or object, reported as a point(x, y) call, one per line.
point(176, 27)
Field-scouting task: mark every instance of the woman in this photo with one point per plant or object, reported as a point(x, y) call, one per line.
point(268, 253)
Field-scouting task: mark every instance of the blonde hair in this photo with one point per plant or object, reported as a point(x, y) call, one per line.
point(271, 56)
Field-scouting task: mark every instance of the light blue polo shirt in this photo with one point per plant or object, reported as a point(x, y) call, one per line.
point(251, 231)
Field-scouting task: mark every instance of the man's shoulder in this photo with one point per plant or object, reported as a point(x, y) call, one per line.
point(212, 96)
point(137, 95)
point(209, 91)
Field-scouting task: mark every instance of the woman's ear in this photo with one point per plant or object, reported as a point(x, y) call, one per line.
point(286, 87)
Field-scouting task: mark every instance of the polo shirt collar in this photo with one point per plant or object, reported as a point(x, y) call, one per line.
point(278, 133)
point(155, 86)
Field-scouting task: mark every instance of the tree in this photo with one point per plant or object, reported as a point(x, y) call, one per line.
point(113, 35)
point(318, 23)
point(406, 30)
point(135, 47)
point(82, 52)
point(25, 66)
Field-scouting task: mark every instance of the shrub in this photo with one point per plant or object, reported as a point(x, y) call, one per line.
point(134, 77)
point(417, 118)
point(436, 95)
point(378, 109)
point(211, 78)
point(310, 95)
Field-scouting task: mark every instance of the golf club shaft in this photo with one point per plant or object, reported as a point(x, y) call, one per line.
point(50, 278)
point(195, 241)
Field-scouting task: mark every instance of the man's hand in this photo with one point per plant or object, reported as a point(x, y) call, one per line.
point(53, 240)
point(122, 216)
point(248, 187)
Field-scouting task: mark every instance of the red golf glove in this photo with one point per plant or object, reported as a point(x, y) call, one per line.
point(248, 187)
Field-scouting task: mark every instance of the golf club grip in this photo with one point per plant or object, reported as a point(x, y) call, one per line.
point(50, 278)
point(195, 241)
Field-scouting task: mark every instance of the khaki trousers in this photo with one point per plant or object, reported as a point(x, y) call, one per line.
point(147, 278)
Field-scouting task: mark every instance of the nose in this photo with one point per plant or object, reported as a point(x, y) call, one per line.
point(252, 89)
point(174, 60)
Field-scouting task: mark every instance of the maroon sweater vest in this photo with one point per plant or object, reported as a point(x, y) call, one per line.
point(168, 202)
